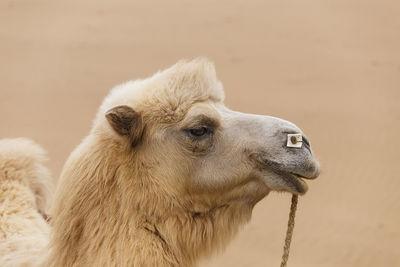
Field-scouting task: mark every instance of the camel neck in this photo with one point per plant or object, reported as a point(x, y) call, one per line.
point(105, 216)
point(192, 235)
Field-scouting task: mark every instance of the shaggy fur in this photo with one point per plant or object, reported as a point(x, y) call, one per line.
point(24, 195)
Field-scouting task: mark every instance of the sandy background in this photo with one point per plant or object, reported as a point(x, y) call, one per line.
point(332, 67)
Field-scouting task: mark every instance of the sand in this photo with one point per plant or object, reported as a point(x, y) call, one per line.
point(332, 67)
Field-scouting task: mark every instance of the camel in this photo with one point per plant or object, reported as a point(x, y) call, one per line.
point(166, 177)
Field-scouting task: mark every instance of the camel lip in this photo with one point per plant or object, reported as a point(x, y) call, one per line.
point(301, 176)
point(294, 182)
point(293, 177)
point(279, 168)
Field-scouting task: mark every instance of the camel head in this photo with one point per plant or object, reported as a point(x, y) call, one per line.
point(176, 122)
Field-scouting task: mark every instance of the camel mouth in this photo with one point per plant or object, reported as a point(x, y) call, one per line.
point(294, 183)
point(289, 177)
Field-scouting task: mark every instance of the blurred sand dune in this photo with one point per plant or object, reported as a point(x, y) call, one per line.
point(332, 67)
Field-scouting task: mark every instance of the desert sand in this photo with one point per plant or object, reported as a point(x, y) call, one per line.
point(332, 67)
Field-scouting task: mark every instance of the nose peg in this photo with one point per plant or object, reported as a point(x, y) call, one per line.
point(294, 140)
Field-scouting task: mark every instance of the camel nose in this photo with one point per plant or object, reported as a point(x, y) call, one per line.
point(299, 153)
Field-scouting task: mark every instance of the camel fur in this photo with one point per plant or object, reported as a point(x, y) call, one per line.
point(25, 194)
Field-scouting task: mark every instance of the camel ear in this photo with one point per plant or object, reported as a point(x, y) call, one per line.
point(126, 122)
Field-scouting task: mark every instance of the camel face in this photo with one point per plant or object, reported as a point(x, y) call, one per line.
point(200, 147)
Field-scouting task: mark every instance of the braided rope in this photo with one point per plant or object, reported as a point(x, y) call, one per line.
point(289, 232)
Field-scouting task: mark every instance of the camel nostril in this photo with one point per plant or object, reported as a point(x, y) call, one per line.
point(307, 144)
point(305, 140)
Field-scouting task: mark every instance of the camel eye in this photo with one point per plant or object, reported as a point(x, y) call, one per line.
point(198, 131)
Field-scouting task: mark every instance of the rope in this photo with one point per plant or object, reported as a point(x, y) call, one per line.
point(289, 232)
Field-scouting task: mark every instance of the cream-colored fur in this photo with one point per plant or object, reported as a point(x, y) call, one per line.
point(24, 194)
point(167, 175)
point(115, 207)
